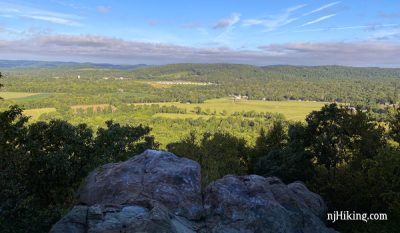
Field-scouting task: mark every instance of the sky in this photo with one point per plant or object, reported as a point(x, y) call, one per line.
point(257, 32)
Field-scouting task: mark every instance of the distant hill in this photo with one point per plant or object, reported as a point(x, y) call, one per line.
point(226, 72)
point(26, 64)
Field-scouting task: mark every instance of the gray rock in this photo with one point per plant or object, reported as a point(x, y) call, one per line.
point(152, 176)
point(128, 219)
point(73, 222)
point(265, 205)
point(157, 192)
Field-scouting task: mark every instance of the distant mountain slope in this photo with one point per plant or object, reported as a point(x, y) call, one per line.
point(221, 72)
point(26, 64)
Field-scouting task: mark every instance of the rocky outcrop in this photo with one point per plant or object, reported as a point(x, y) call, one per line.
point(160, 192)
point(253, 203)
point(153, 176)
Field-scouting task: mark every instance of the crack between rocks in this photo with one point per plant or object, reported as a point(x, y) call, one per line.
point(87, 221)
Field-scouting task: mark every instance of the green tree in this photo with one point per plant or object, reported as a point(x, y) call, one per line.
point(21, 209)
point(118, 143)
point(187, 147)
point(43, 163)
point(394, 126)
point(223, 154)
point(12, 133)
point(290, 162)
point(1, 85)
point(58, 156)
point(340, 135)
point(218, 154)
point(275, 139)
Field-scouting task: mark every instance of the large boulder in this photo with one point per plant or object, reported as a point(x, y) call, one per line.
point(160, 192)
point(153, 176)
point(253, 203)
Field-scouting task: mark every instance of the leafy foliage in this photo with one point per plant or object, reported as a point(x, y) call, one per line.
point(1, 85)
point(342, 154)
point(394, 125)
point(42, 164)
point(218, 154)
point(290, 161)
point(275, 139)
point(340, 135)
point(117, 143)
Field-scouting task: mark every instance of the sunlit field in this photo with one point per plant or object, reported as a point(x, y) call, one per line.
point(16, 95)
point(35, 113)
point(291, 110)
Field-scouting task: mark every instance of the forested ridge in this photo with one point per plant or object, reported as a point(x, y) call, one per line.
point(320, 83)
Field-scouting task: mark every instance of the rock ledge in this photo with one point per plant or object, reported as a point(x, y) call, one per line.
point(158, 192)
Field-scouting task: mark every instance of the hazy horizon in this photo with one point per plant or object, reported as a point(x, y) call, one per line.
point(140, 65)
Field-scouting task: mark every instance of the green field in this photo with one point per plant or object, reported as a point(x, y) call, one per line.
point(35, 113)
point(292, 110)
point(16, 95)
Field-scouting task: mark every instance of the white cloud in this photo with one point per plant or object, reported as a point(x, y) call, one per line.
point(37, 14)
point(227, 22)
point(274, 22)
point(318, 20)
point(321, 8)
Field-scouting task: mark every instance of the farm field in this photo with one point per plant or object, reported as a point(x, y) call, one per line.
point(292, 110)
point(17, 95)
point(35, 113)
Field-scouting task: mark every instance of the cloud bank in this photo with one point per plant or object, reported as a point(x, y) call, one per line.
point(106, 49)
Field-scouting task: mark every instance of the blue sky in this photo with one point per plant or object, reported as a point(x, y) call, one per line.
point(358, 33)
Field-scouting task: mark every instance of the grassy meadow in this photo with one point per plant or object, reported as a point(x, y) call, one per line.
point(35, 113)
point(17, 95)
point(292, 110)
